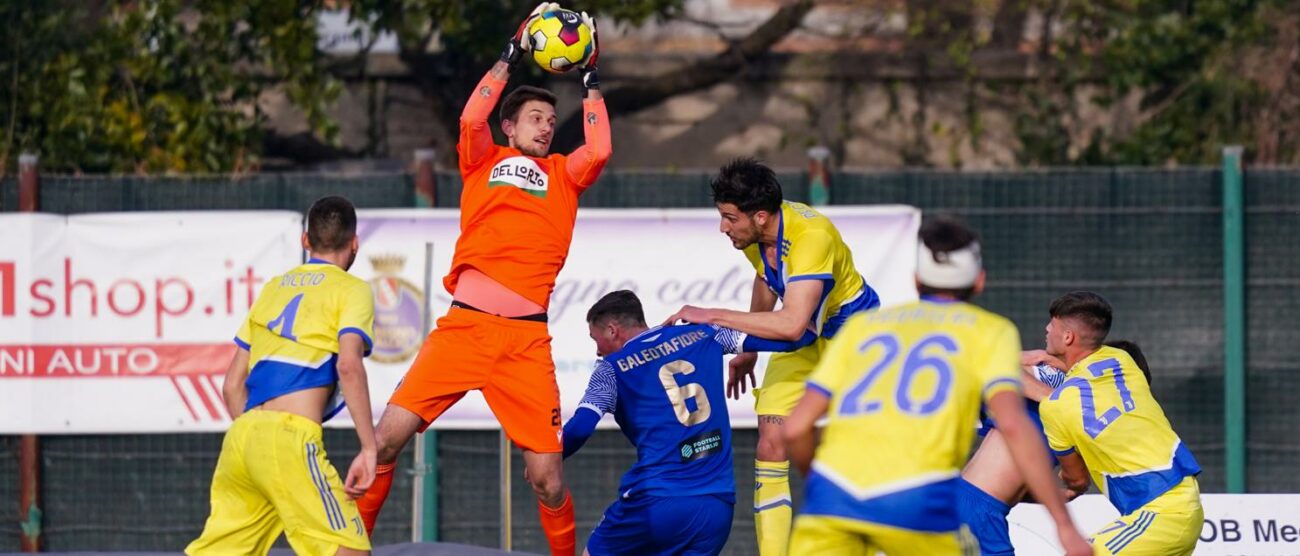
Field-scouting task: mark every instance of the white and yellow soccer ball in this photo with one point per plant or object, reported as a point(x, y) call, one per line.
point(560, 41)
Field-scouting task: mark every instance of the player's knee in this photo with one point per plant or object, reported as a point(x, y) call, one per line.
point(547, 482)
point(771, 447)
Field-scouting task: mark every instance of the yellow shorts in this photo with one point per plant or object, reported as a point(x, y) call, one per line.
point(833, 536)
point(1167, 526)
point(272, 477)
point(784, 380)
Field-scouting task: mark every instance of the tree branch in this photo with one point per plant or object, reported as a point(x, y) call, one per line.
point(644, 93)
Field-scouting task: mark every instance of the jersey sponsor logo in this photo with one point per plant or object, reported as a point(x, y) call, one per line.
point(521, 172)
point(701, 445)
point(399, 320)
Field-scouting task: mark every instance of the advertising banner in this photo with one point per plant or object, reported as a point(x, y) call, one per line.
point(1235, 524)
point(122, 323)
point(670, 258)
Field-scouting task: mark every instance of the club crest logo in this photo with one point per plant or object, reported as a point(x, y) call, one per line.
point(399, 317)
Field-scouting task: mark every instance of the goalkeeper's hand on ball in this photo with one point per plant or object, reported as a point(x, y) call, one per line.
point(519, 43)
point(587, 71)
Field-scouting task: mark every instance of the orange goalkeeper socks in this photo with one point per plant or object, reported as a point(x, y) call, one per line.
point(373, 500)
point(558, 524)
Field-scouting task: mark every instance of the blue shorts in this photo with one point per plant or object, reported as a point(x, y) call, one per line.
point(696, 525)
point(986, 517)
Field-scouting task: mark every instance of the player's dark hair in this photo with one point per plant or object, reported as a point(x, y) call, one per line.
point(515, 101)
point(1086, 308)
point(748, 184)
point(622, 306)
point(943, 235)
point(331, 224)
point(1136, 353)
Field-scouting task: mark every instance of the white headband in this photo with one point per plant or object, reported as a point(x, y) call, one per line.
point(952, 270)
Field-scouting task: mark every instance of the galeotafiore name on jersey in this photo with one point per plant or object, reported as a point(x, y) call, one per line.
point(666, 348)
point(521, 172)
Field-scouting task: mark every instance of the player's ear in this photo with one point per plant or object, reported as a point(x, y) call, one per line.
point(306, 245)
point(979, 284)
point(508, 128)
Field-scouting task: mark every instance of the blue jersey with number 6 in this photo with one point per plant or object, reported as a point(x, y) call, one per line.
point(666, 390)
point(905, 387)
point(292, 331)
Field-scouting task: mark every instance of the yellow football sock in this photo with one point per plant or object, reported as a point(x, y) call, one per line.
point(772, 508)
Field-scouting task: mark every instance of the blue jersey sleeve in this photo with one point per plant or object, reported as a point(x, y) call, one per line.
point(602, 390)
point(601, 398)
point(735, 341)
point(1049, 375)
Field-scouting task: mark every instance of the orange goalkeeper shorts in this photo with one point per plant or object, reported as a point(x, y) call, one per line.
point(509, 360)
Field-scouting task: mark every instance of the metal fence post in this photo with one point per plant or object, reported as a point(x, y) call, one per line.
point(29, 445)
point(1234, 321)
point(426, 182)
point(819, 176)
point(29, 183)
point(425, 528)
point(507, 513)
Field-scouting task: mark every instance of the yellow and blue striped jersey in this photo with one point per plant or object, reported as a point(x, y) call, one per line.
point(810, 248)
point(906, 385)
point(1106, 412)
point(292, 331)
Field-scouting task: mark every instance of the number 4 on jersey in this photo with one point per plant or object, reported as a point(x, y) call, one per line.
point(285, 321)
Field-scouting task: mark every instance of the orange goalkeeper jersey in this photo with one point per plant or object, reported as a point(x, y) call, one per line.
point(517, 212)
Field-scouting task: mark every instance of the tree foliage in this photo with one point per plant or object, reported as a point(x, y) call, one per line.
point(1206, 73)
point(173, 85)
point(154, 85)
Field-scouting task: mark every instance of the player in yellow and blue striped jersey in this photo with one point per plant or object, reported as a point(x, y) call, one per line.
point(799, 258)
point(902, 389)
point(303, 340)
point(991, 484)
point(1104, 426)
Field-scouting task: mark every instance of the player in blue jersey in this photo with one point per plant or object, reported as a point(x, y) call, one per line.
point(664, 386)
point(1105, 427)
point(303, 341)
point(990, 483)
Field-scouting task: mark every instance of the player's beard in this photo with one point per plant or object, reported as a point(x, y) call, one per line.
point(533, 150)
point(742, 241)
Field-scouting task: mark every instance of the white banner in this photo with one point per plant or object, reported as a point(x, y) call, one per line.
point(1235, 524)
point(123, 322)
point(669, 257)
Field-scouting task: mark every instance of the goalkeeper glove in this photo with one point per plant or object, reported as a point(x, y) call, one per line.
point(520, 43)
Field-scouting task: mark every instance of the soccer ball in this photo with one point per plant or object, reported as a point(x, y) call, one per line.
point(560, 41)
